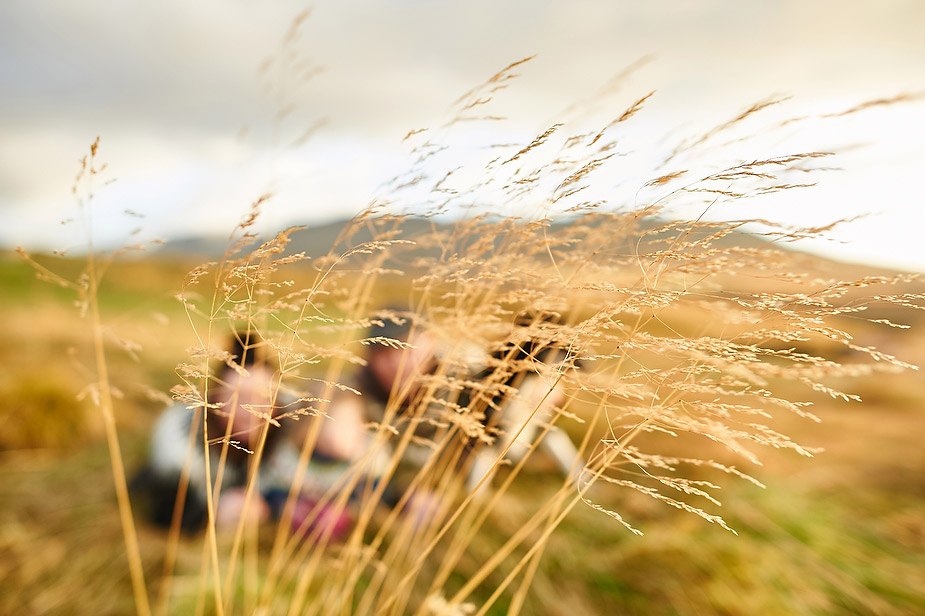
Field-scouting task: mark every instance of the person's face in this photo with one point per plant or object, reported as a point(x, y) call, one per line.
point(246, 397)
point(398, 367)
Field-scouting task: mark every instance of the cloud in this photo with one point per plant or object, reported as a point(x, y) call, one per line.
point(187, 122)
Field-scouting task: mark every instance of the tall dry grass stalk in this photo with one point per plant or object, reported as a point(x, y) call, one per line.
point(101, 392)
point(672, 326)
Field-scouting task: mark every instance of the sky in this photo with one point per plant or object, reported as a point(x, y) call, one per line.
point(195, 124)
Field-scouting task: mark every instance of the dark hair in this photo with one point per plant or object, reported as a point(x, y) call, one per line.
point(245, 347)
point(395, 323)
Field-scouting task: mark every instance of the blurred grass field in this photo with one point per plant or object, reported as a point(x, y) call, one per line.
point(843, 533)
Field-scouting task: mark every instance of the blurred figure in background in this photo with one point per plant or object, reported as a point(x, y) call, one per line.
point(246, 394)
point(399, 352)
point(345, 453)
point(520, 394)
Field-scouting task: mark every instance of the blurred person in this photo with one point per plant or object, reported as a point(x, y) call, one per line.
point(346, 451)
point(399, 352)
point(246, 398)
point(520, 392)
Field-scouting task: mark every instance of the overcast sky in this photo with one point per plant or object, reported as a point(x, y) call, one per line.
point(186, 118)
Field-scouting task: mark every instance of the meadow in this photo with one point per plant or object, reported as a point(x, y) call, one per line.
point(838, 534)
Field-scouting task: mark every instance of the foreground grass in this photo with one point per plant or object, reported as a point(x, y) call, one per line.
point(837, 538)
point(842, 534)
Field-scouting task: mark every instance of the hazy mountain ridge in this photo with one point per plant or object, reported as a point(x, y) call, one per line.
point(317, 240)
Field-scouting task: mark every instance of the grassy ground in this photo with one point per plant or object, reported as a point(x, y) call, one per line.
point(840, 534)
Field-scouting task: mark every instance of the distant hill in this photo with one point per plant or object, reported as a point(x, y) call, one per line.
point(316, 240)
